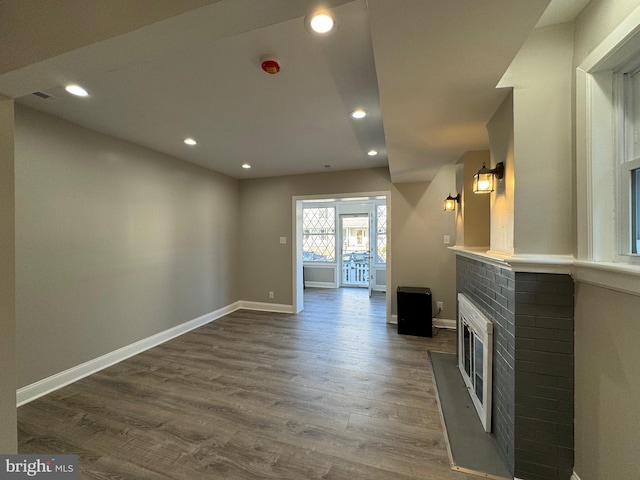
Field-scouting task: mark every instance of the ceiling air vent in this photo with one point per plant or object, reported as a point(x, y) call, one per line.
point(43, 95)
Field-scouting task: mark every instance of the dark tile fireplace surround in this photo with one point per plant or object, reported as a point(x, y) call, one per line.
point(533, 408)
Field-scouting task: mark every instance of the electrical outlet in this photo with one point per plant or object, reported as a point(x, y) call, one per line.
point(447, 239)
point(440, 305)
point(270, 294)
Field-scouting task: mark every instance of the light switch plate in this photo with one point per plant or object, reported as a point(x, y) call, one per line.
point(283, 240)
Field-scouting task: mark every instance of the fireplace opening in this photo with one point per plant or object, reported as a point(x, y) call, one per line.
point(475, 356)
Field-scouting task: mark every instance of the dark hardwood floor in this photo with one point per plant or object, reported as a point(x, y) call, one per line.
point(331, 393)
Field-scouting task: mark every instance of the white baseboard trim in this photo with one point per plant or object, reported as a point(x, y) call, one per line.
point(54, 382)
point(266, 307)
point(437, 322)
point(310, 284)
point(447, 323)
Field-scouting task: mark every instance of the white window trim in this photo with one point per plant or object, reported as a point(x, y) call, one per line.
point(597, 167)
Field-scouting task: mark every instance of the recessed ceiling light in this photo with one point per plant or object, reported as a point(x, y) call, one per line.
point(76, 90)
point(321, 23)
point(190, 141)
point(359, 113)
point(246, 166)
point(372, 153)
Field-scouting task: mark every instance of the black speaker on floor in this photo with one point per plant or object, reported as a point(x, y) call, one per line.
point(414, 311)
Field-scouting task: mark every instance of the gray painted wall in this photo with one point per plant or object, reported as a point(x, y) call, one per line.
point(8, 437)
point(320, 274)
point(472, 213)
point(115, 243)
point(607, 384)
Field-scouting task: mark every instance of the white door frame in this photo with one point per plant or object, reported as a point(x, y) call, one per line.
point(296, 247)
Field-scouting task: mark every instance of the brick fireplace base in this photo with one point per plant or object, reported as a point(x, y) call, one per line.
point(533, 362)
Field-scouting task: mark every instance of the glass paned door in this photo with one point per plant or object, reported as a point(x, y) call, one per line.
point(355, 250)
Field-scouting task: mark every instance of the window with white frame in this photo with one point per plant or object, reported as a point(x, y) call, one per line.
point(629, 156)
point(607, 161)
point(319, 234)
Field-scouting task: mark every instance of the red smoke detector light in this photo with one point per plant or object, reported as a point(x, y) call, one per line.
point(270, 66)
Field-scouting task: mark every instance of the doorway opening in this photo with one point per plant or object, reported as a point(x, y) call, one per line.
point(341, 241)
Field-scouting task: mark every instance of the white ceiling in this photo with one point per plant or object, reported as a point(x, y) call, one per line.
point(426, 71)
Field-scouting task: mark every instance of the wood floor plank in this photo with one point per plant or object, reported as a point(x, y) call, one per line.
point(331, 393)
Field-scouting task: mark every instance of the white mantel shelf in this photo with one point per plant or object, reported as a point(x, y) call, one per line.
point(532, 263)
point(621, 277)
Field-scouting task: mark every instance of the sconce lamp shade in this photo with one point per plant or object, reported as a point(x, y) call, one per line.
point(484, 180)
point(450, 203)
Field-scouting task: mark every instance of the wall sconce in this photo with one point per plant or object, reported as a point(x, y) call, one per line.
point(484, 179)
point(450, 203)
